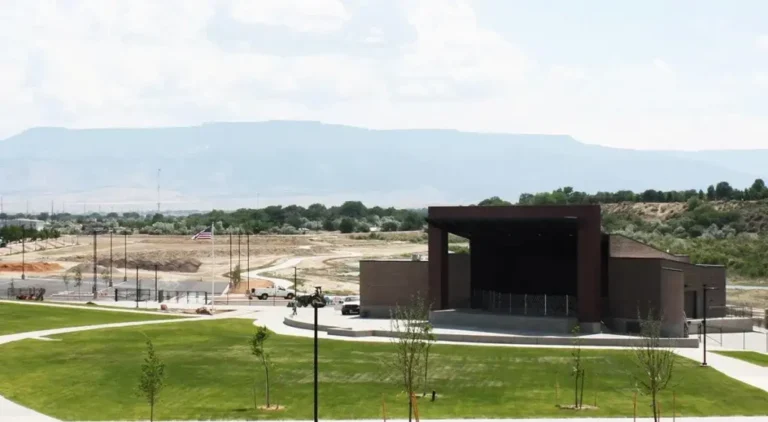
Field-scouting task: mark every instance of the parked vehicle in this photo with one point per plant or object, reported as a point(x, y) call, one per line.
point(265, 293)
point(351, 307)
point(340, 301)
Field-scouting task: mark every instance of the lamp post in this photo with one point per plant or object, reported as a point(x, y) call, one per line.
point(248, 260)
point(110, 258)
point(705, 288)
point(317, 302)
point(95, 264)
point(125, 253)
point(23, 251)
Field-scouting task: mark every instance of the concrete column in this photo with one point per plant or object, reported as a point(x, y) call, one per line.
point(588, 277)
point(438, 268)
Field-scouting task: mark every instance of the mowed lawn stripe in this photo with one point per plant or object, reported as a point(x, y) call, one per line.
point(93, 375)
point(755, 358)
point(21, 318)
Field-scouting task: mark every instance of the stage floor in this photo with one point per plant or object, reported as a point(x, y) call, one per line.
point(335, 324)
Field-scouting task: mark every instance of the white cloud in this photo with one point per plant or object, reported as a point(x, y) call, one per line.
point(300, 15)
point(95, 63)
point(662, 66)
point(762, 42)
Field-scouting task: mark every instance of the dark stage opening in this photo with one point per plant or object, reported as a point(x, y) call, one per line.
point(523, 266)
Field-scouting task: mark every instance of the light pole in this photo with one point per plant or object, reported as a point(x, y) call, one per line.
point(23, 251)
point(317, 302)
point(110, 258)
point(248, 260)
point(95, 264)
point(137, 287)
point(704, 322)
point(125, 255)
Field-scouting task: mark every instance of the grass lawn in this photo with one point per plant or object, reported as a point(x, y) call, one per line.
point(756, 358)
point(211, 375)
point(19, 318)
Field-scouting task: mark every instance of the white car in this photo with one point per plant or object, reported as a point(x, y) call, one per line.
point(265, 293)
point(339, 302)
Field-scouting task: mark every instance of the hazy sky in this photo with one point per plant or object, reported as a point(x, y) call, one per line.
point(647, 74)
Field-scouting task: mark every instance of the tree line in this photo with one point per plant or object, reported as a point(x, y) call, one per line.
point(722, 191)
point(16, 233)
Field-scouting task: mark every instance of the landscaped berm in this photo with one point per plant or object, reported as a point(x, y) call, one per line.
point(210, 374)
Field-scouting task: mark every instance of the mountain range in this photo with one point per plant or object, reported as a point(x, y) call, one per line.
point(231, 165)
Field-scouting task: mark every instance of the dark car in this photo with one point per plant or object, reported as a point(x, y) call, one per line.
point(350, 308)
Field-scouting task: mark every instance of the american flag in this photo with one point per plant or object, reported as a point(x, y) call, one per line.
point(203, 235)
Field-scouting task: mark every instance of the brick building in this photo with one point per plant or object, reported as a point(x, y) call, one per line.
point(542, 268)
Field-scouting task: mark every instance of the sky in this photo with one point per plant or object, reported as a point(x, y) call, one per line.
point(688, 74)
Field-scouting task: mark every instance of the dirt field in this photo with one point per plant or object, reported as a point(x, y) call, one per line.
point(328, 260)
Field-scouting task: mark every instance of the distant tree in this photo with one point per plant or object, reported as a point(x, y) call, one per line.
point(152, 378)
point(66, 279)
point(389, 226)
point(329, 224)
point(493, 201)
point(78, 277)
point(236, 277)
point(711, 196)
point(525, 199)
point(723, 190)
point(758, 189)
point(347, 225)
point(412, 221)
point(316, 212)
point(655, 364)
point(352, 209)
point(701, 195)
point(363, 228)
point(258, 349)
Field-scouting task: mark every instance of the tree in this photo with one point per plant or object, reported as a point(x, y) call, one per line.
point(353, 209)
point(78, 277)
point(66, 279)
point(410, 344)
point(493, 201)
point(258, 349)
point(236, 277)
point(412, 221)
point(577, 371)
point(723, 190)
point(152, 378)
point(347, 225)
point(106, 277)
point(655, 364)
point(389, 226)
point(711, 193)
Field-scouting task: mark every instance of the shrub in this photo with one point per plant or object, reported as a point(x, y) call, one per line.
point(389, 226)
point(347, 225)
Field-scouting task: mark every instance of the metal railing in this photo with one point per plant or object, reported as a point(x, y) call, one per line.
point(532, 305)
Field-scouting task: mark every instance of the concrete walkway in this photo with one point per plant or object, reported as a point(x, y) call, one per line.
point(690, 419)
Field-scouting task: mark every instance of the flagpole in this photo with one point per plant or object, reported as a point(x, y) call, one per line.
point(213, 263)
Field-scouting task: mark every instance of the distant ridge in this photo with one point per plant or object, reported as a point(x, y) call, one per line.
point(226, 164)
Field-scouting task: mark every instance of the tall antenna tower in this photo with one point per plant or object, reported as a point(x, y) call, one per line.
point(158, 191)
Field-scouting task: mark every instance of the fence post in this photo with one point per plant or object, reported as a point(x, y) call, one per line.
point(115, 295)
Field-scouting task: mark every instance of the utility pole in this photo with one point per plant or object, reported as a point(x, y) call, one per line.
point(137, 287)
point(156, 282)
point(23, 252)
point(238, 249)
point(248, 260)
point(125, 254)
point(110, 258)
point(295, 291)
point(95, 263)
point(230, 254)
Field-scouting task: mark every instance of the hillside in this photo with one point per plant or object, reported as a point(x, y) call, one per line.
point(227, 165)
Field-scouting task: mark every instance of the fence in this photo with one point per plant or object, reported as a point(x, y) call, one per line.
point(177, 296)
point(25, 292)
point(532, 305)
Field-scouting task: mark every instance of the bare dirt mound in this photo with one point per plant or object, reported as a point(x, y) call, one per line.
point(179, 265)
point(30, 267)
